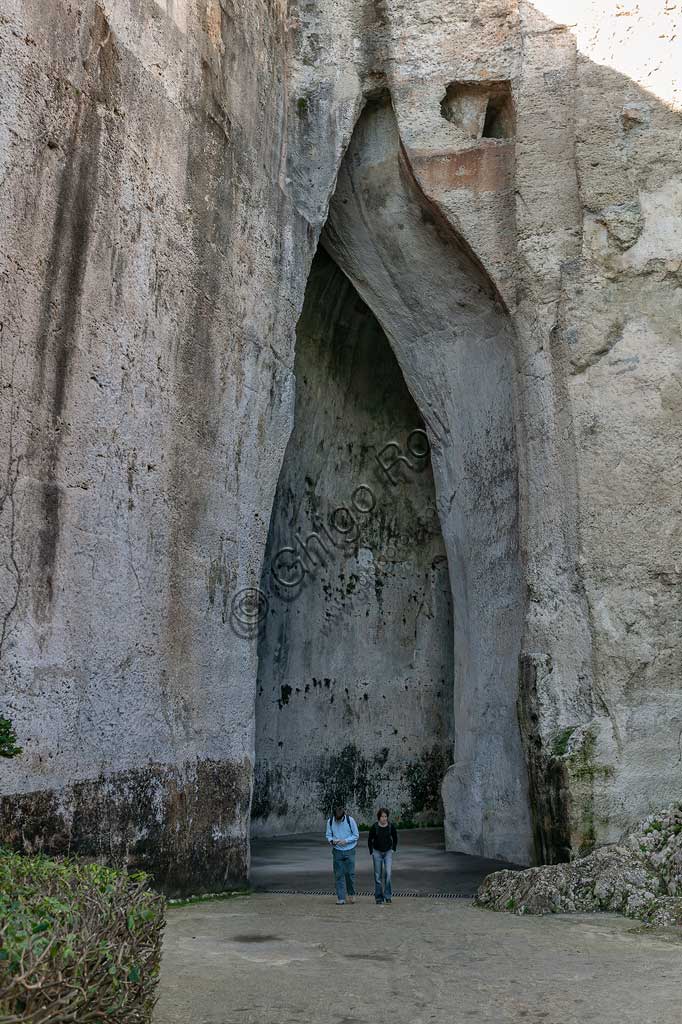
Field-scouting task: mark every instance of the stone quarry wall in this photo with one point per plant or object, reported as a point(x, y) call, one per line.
point(146, 387)
point(165, 172)
point(355, 671)
point(454, 341)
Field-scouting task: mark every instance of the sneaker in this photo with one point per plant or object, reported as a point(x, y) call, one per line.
point(379, 903)
point(340, 903)
point(388, 901)
point(351, 899)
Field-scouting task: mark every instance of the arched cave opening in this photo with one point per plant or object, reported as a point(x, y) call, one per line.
point(391, 250)
point(355, 682)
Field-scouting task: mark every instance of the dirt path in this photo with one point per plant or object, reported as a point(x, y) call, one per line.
point(269, 959)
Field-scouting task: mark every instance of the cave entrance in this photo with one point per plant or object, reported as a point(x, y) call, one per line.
point(355, 682)
point(453, 341)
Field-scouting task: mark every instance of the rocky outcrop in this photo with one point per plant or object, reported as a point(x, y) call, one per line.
point(640, 877)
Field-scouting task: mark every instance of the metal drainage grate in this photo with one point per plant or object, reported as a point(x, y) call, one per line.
point(367, 892)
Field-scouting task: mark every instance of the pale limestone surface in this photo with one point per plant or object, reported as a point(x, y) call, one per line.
point(355, 660)
point(286, 959)
point(142, 226)
point(165, 172)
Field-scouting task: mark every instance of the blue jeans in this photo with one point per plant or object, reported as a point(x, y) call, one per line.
point(344, 872)
point(382, 861)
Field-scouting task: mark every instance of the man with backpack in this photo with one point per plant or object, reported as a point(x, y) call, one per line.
point(342, 836)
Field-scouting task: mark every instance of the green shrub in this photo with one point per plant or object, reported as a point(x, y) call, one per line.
point(79, 943)
point(8, 739)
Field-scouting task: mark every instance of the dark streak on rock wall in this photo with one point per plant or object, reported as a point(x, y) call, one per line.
point(73, 227)
point(547, 773)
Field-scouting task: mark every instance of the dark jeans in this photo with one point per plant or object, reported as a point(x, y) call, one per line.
point(382, 862)
point(344, 872)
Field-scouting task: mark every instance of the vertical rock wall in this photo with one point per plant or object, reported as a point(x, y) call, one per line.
point(145, 390)
point(621, 327)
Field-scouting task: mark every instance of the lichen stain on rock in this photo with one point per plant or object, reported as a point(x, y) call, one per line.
point(347, 778)
point(355, 780)
point(269, 793)
point(184, 825)
point(547, 772)
point(583, 774)
point(423, 778)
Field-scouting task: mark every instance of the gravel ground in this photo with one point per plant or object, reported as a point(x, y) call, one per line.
point(272, 959)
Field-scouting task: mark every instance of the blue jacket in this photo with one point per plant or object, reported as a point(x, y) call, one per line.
point(345, 829)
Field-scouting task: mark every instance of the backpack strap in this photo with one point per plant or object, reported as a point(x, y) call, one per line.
point(346, 818)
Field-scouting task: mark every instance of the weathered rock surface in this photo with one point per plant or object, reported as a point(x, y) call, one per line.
point(355, 664)
point(166, 172)
point(640, 877)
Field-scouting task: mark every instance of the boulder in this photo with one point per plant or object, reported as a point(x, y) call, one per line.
point(641, 877)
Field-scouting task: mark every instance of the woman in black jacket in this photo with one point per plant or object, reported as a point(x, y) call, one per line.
point(382, 842)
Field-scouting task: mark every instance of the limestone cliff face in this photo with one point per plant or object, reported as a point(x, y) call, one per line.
point(148, 323)
point(166, 170)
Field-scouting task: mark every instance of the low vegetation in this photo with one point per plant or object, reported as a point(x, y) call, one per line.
point(8, 739)
point(79, 943)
